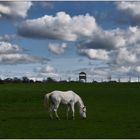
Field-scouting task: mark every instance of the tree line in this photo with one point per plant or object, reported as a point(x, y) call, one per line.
point(24, 80)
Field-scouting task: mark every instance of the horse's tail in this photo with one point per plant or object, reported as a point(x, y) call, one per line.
point(46, 99)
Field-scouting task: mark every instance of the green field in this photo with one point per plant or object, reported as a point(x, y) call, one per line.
point(113, 111)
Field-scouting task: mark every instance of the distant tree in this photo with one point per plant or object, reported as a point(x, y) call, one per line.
point(16, 80)
point(25, 79)
point(37, 81)
point(8, 80)
point(31, 81)
point(50, 79)
point(94, 81)
point(1, 81)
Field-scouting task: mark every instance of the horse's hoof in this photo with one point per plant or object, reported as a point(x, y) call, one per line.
point(50, 117)
point(73, 118)
point(58, 119)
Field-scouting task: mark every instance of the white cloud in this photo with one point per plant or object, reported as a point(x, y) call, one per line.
point(18, 59)
point(102, 43)
point(13, 54)
point(62, 26)
point(115, 47)
point(6, 48)
point(137, 69)
point(14, 8)
point(132, 35)
point(118, 46)
point(8, 37)
point(131, 12)
point(95, 54)
point(126, 56)
point(122, 69)
point(105, 39)
point(57, 48)
point(46, 71)
point(44, 4)
point(132, 8)
point(129, 54)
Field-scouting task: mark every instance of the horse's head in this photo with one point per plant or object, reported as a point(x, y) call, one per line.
point(83, 112)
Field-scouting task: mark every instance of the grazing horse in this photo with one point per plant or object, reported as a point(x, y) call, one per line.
point(68, 98)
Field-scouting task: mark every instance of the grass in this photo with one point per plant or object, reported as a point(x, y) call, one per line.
point(113, 111)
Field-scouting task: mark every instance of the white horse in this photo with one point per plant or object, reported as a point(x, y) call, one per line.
point(68, 98)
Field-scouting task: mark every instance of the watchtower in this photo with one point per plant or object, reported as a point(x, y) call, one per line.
point(82, 76)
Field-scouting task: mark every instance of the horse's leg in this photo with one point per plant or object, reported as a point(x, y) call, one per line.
point(50, 111)
point(55, 110)
point(68, 108)
point(73, 111)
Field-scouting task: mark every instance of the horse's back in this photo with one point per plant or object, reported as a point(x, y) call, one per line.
point(63, 96)
point(62, 93)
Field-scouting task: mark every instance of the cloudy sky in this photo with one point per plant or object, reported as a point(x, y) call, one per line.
point(61, 39)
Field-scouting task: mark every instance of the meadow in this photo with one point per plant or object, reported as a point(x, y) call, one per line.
point(113, 111)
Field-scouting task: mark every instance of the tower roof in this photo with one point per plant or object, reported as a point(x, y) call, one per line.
point(82, 73)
